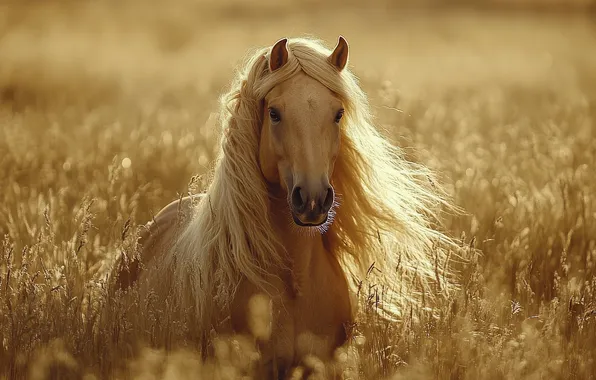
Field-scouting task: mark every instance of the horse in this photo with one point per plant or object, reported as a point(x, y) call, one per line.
point(306, 197)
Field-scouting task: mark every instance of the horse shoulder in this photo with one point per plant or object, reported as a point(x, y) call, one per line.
point(154, 239)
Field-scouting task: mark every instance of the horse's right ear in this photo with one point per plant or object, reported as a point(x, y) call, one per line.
point(279, 55)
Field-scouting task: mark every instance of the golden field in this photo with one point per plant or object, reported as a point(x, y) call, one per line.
point(107, 111)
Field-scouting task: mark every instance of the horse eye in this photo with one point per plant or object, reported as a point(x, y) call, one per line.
point(274, 115)
point(339, 115)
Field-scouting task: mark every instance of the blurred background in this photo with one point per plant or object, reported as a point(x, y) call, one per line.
point(157, 46)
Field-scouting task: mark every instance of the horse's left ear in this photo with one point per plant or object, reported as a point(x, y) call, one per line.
point(339, 57)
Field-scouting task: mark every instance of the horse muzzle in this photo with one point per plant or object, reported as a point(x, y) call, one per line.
point(311, 208)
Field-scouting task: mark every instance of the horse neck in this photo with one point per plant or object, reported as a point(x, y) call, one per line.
point(301, 246)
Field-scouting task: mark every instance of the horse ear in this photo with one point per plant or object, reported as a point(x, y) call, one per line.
point(339, 57)
point(279, 55)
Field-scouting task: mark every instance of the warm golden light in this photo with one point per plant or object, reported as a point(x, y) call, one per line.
point(107, 111)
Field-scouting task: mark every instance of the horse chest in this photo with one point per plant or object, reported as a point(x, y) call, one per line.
point(312, 323)
point(320, 315)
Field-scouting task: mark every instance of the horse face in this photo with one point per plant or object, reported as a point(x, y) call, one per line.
point(300, 137)
point(299, 144)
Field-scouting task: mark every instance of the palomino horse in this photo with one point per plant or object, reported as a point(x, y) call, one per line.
point(306, 196)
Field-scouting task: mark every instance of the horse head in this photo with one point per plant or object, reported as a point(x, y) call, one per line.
point(300, 137)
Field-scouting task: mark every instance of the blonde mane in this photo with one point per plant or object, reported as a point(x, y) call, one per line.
point(385, 216)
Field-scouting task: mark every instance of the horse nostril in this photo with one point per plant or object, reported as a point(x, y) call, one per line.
point(328, 200)
point(298, 200)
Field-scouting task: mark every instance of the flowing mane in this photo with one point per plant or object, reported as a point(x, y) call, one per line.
point(385, 218)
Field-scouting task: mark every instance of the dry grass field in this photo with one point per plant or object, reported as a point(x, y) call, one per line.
point(107, 113)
